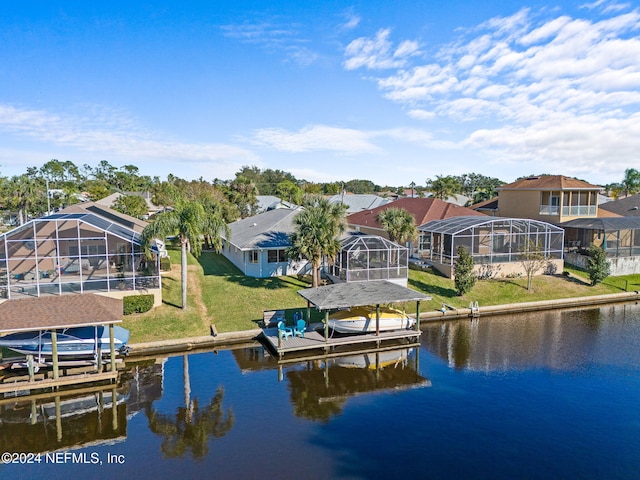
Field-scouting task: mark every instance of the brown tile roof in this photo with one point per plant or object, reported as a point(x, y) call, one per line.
point(549, 182)
point(423, 210)
point(63, 311)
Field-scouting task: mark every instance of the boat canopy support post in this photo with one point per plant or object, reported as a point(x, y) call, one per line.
point(418, 316)
point(378, 319)
point(112, 347)
point(54, 353)
point(326, 326)
point(308, 312)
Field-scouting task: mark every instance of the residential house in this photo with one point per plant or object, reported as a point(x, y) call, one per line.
point(548, 198)
point(423, 210)
point(77, 251)
point(271, 202)
point(257, 245)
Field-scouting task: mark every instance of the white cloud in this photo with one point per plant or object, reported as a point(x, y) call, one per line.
point(378, 52)
point(547, 87)
point(275, 37)
point(110, 133)
point(316, 138)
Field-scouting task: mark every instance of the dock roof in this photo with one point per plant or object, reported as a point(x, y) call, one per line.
point(357, 294)
point(57, 312)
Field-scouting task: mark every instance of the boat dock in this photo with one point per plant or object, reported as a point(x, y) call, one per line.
point(315, 340)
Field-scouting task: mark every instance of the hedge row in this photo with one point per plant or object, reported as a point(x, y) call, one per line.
point(137, 304)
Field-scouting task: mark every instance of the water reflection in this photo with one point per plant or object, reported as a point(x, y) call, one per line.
point(320, 388)
point(555, 340)
point(189, 428)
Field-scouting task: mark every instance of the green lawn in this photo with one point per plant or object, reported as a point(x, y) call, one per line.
point(219, 293)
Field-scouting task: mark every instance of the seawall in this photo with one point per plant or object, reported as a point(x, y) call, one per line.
point(231, 338)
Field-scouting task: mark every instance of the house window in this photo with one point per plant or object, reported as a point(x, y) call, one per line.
point(253, 256)
point(276, 256)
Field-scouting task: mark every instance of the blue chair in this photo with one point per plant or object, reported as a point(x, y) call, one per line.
point(284, 332)
point(300, 328)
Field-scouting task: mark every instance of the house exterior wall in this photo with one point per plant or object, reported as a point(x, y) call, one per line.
point(263, 268)
point(522, 204)
point(619, 265)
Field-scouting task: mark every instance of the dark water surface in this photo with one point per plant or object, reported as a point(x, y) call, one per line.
point(546, 395)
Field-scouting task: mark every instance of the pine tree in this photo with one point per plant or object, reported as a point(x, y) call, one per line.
point(597, 266)
point(464, 277)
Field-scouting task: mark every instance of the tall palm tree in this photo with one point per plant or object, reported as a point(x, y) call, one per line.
point(317, 228)
point(399, 224)
point(189, 221)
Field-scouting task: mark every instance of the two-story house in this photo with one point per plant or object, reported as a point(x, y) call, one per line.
point(548, 198)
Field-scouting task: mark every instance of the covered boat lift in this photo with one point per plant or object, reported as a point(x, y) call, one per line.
point(54, 314)
point(348, 295)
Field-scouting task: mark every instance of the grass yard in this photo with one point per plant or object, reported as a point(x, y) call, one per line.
point(219, 293)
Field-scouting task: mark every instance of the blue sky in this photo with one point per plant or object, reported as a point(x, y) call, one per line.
point(389, 91)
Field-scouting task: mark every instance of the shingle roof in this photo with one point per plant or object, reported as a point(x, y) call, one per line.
point(549, 182)
point(604, 224)
point(422, 209)
point(356, 294)
point(359, 202)
point(108, 213)
point(64, 311)
point(266, 230)
point(627, 207)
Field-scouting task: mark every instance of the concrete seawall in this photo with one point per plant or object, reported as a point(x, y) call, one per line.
point(230, 338)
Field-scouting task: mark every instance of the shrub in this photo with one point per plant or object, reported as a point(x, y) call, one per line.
point(137, 304)
point(464, 277)
point(597, 265)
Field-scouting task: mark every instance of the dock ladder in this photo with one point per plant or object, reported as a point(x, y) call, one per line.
point(475, 309)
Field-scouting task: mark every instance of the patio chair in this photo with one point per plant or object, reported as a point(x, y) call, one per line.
point(300, 328)
point(284, 332)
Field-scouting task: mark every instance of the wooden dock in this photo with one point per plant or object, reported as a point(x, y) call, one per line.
point(314, 340)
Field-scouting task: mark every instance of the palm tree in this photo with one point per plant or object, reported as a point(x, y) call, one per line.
point(399, 224)
point(444, 187)
point(317, 228)
point(189, 221)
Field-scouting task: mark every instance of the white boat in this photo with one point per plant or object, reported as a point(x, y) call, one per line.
point(72, 342)
point(363, 319)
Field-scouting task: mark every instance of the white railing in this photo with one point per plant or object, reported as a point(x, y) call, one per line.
point(579, 210)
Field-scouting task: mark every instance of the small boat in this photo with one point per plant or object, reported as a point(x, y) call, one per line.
point(72, 342)
point(363, 319)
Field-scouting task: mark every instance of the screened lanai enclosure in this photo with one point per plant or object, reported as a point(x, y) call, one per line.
point(369, 257)
point(73, 253)
point(619, 237)
point(496, 244)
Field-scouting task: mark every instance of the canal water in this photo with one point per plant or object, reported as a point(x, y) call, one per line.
point(536, 396)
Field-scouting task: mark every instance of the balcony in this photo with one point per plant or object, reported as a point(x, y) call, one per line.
point(579, 211)
point(572, 211)
point(549, 210)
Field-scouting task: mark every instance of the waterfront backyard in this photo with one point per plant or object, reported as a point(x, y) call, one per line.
point(218, 293)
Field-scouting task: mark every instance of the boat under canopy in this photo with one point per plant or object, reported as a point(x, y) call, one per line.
point(363, 319)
